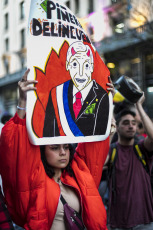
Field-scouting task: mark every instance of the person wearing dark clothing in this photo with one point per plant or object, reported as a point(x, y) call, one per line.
point(6, 117)
point(130, 197)
point(5, 220)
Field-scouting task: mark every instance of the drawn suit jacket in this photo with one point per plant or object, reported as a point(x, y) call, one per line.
point(92, 118)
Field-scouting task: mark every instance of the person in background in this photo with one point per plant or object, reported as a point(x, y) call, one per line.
point(118, 107)
point(130, 193)
point(5, 117)
point(1, 126)
point(35, 177)
point(5, 219)
point(140, 131)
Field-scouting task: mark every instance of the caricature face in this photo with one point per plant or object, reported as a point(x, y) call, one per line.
point(80, 67)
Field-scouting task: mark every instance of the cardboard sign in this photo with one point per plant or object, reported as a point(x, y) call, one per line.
point(71, 103)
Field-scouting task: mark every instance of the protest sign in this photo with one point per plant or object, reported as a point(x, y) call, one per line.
point(71, 103)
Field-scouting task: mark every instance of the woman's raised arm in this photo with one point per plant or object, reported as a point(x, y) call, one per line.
point(24, 86)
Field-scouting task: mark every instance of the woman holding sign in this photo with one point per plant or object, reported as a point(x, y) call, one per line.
point(38, 180)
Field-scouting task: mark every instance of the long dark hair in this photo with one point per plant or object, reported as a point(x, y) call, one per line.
point(49, 169)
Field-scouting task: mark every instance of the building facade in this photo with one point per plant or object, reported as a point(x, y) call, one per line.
point(12, 51)
point(121, 30)
point(130, 47)
point(13, 45)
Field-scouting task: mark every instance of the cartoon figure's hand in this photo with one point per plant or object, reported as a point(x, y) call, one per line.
point(111, 86)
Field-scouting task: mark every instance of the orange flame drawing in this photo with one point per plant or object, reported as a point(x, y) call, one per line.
point(55, 74)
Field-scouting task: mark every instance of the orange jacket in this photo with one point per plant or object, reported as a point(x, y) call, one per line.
point(31, 196)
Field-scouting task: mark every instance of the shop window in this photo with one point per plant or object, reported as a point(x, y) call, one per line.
point(6, 21)
point(5, 57)
point(68, 4)
point(22, 10)
point(91, 6)
point(6, 44)
point(118, 24)
point(149, 65)
point(116, 1)
point(149, 96)
point(22, 35)
point(76, 6)
point(5, 2)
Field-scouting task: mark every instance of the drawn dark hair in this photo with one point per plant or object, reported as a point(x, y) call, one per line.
point(49, 169)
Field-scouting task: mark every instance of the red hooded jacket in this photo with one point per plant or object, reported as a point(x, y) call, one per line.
point(31, 196)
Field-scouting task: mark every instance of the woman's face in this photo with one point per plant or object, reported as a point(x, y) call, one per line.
point(57, 156)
